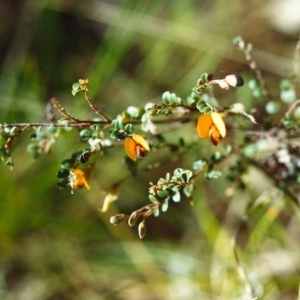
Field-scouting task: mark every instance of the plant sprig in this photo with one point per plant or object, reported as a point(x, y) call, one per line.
point(141, 130)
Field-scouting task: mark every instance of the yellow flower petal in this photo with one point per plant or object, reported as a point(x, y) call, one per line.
point(219, 123)
point(141, 141)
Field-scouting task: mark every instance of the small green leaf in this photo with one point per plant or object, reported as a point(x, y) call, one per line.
point(204, 77)
point(75, 157)
point(188, 191)
point(285, 85)
point(250, 150)
point(176, 197)
point(85, 134)
point(228, 149)
point(51, 129)
point(63, 183)
point(33, 149)
point(76, 88)
point(41, 137)
point(173, 98)
point(67, 164)
point(213, 174)
point(163, 193)
point(129, 128)
point(216, 156)
point(253, 84)
point(165, 206)
point(249, 47)
point(132, 111)
point(238, 41)
point(178, 172)
point(287, 122)
point(298, 179)
point(272, 107)
point(63, 173)
point(199, 165)
point(168, 176)
point(288, 96)
point(166, 97)
point(148, 106)
point(117, 123)
point(152, 198)
point(187, 175)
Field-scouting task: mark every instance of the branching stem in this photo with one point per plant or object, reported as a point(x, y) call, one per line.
point(95, 109)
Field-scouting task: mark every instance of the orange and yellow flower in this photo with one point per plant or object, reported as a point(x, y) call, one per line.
point(136, 146)
point(211, 126)
point(82, 177)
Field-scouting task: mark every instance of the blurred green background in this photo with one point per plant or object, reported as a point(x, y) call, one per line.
point(55, 245)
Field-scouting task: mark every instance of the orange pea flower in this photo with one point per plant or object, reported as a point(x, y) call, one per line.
point(82, 177)
point(136, 146)
point(211, 126)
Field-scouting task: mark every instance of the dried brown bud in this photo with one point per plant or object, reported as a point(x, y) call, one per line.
point(85, 156)
point(9, 143)
point(152, 190)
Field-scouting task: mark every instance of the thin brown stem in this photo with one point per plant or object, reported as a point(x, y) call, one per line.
point(63, 125)
point(59, 107)
point(95, 108)
point(292, 107)
point(253, 66)
point(87, 123)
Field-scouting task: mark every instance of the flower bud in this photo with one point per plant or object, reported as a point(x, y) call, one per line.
point(133, 218)
point(234, 80)
point(117, 219)
point(142, 229)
